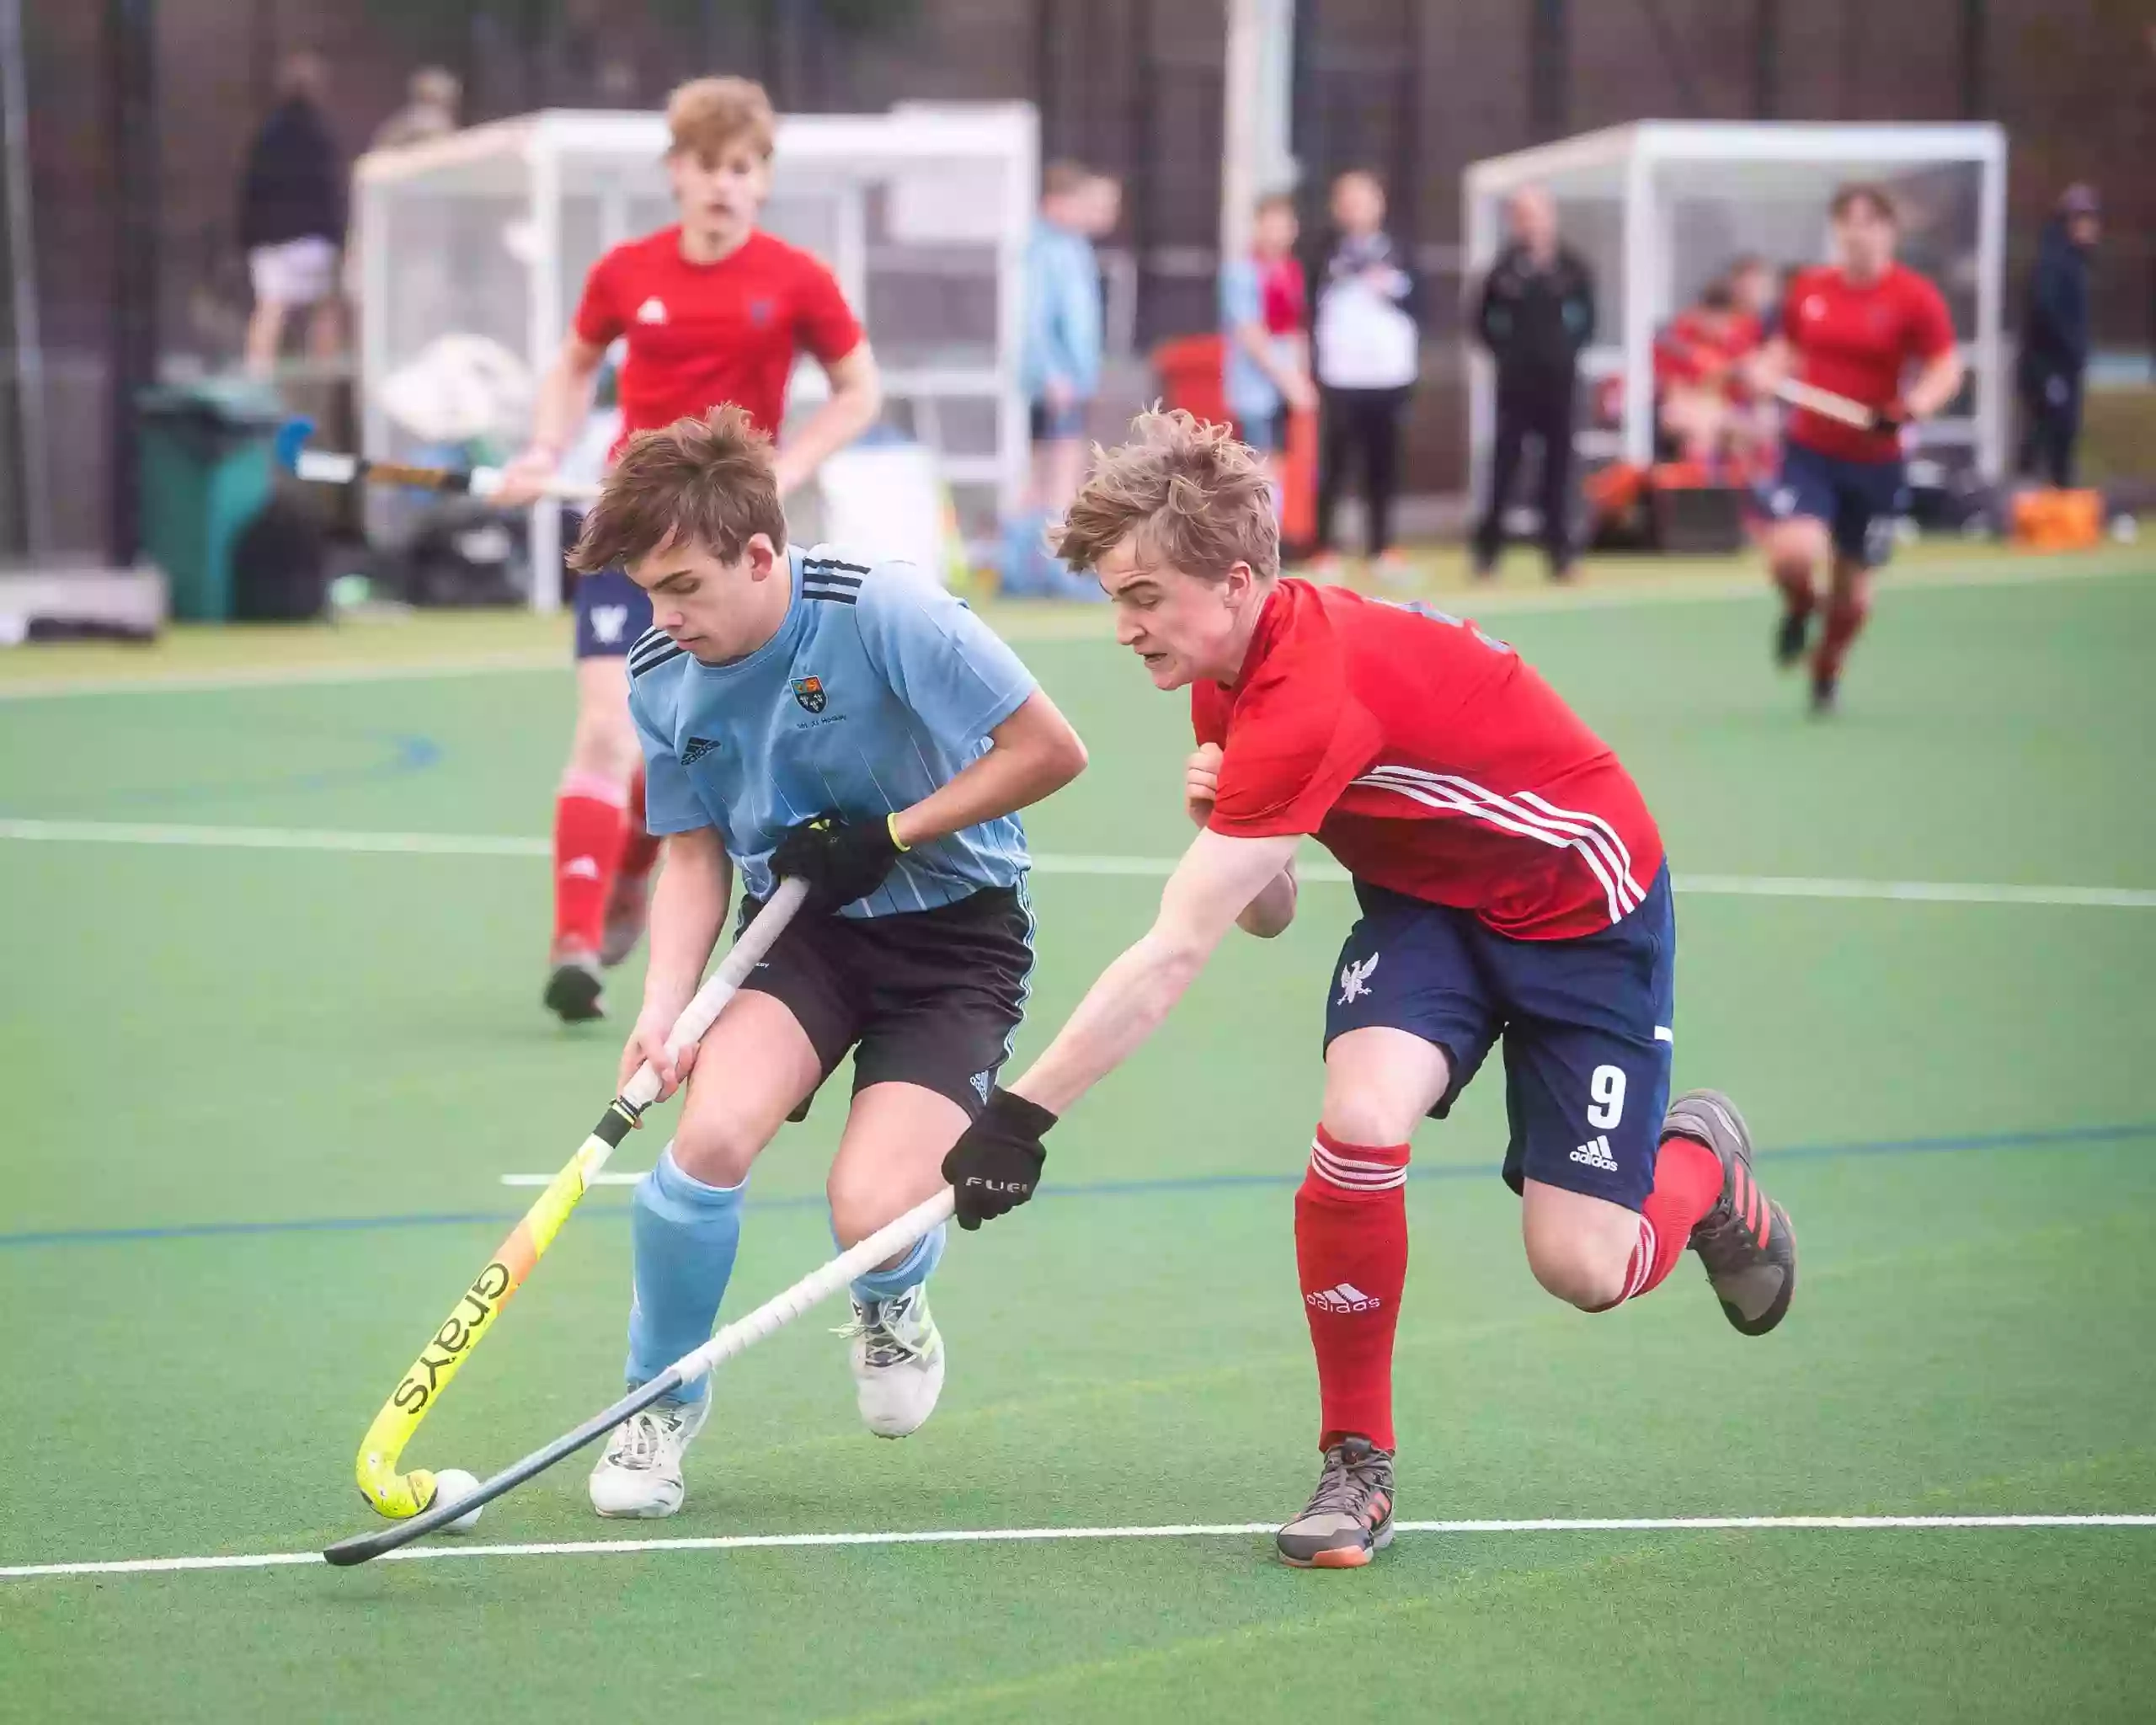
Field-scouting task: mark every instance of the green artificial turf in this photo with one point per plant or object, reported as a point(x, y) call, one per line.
point(296, 1076)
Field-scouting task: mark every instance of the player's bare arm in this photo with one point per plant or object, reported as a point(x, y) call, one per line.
point(688, 909)
point(1214, 882)
point(856, 399)
point(1273, 908)
point(563, 403)
point(1936, 384)
point(1034, 754)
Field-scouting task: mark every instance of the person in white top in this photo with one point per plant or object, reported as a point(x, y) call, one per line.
point(1368, 348)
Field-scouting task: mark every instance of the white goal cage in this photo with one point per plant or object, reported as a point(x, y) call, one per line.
point(921, 213)
point(1660, 209)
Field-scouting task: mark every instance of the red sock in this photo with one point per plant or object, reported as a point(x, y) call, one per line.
point(640, 850)
point(1845, 616)
point(588, 834)
point(1687, 1185)
point(1351, 1252)
point(1797, 597)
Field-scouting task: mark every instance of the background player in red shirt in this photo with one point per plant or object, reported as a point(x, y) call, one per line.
point(1856, 327)
point(1512, 888)
point(713, 311)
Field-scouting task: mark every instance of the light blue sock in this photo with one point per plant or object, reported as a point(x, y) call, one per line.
point(686, 1234)
point(908, 1272)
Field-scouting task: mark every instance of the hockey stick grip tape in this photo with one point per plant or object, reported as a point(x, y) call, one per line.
point(888, 1241)
point(720, 986)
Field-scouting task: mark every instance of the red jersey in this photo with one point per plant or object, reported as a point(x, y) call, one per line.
point(1693, 350)
point(1430, 760)
point(700, 335)
point(1857, 341)
point(1282, 295)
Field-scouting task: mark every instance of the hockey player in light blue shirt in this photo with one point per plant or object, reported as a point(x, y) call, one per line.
point(822, 716)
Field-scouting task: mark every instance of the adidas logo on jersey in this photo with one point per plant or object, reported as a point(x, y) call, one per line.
point(697, 749)
point(580, 868)
point(651, 310)
point(1345, 1297)
point(1595, 1154)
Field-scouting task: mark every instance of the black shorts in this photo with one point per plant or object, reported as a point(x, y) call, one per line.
point(926, 997)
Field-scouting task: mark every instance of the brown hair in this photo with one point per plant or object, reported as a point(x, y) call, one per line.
point(1195, 497)
point(1062, 178)
point(1868, 192)
point(709, 481)
point(708, 116)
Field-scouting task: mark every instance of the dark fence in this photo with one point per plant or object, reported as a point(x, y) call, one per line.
point(139, 111)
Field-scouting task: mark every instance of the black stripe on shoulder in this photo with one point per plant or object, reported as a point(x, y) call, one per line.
point(652, 646)
point(809, 564)
point(652, 661)
point(653, 636)
point(835, 596)
point(830, 578)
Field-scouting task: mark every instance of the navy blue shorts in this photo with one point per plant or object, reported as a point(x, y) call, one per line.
point(1859, 501)
point(612, 610)
point(1586, 1022)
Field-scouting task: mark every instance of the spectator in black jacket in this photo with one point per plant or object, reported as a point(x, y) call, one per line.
point(291, 217)
point(2055, 337)
point(1537, 312)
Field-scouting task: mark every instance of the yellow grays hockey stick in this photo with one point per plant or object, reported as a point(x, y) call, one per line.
point(400, 1494)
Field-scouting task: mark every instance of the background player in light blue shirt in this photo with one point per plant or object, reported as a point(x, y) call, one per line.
point(812, 715)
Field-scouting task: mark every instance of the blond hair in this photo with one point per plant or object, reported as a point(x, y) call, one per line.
point(708, 116)
point(704, 481)
point(1195, 498)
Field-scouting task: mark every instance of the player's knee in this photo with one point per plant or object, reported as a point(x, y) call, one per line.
point(861, 1199)
point(604, 742)
point(1378, 1085)
point(719, 1152)
point(1582, 1268)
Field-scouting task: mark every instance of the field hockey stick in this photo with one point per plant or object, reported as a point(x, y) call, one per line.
point(399, 1495)
point(1826, 404)
point(887, 1242)
point(327, 467)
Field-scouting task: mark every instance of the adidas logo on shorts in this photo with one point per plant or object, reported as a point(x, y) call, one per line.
point(1595, 1154)
point(1346, 1297)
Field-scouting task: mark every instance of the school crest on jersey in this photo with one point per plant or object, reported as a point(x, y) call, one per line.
point(809, 692)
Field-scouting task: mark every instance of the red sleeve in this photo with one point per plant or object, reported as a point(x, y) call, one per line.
point(1930, 327)
point(824, 325)
point(1799, 285)
point(599, 318)
point(1288, 761)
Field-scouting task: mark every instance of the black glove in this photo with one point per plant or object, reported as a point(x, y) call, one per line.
point(840, 862)
point(996, 1163)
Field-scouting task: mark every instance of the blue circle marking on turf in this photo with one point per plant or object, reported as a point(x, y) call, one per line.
point(2060, 1137)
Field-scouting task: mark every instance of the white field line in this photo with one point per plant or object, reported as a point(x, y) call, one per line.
point(444, 844)
point(1067, 623)
point(1004, 1535)
point(286, 677)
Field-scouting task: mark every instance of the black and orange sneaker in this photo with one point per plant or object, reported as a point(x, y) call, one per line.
point(1746, 1241)
point(1350, 1516)
point(1792, 634)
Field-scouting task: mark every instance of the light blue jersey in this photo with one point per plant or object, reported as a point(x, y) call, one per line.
point(878, 688)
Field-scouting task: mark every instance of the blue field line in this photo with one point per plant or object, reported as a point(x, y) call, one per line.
point(2051, 1138)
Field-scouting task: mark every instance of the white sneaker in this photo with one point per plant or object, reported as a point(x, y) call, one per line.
point(897, 1362)
point(640, 1474)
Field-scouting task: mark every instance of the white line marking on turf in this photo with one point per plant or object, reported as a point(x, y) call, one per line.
point(449, 844)
point(283, 677)
point(605, 1176)
point(999, 1536)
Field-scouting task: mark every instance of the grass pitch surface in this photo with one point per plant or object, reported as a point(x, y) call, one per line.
point(265, 1094)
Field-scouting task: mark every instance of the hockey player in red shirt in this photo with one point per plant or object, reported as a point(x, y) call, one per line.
point(1512, 889)
point(1856, 327)
point(712, 310)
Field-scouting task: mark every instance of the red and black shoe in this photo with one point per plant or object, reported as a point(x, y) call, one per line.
point(1349, 1517)
point(1746, 1241)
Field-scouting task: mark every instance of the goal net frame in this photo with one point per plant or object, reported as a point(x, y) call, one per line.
point(970, 172)
point(1640, 167)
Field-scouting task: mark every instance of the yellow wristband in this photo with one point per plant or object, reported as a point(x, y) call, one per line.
point(891, 826)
